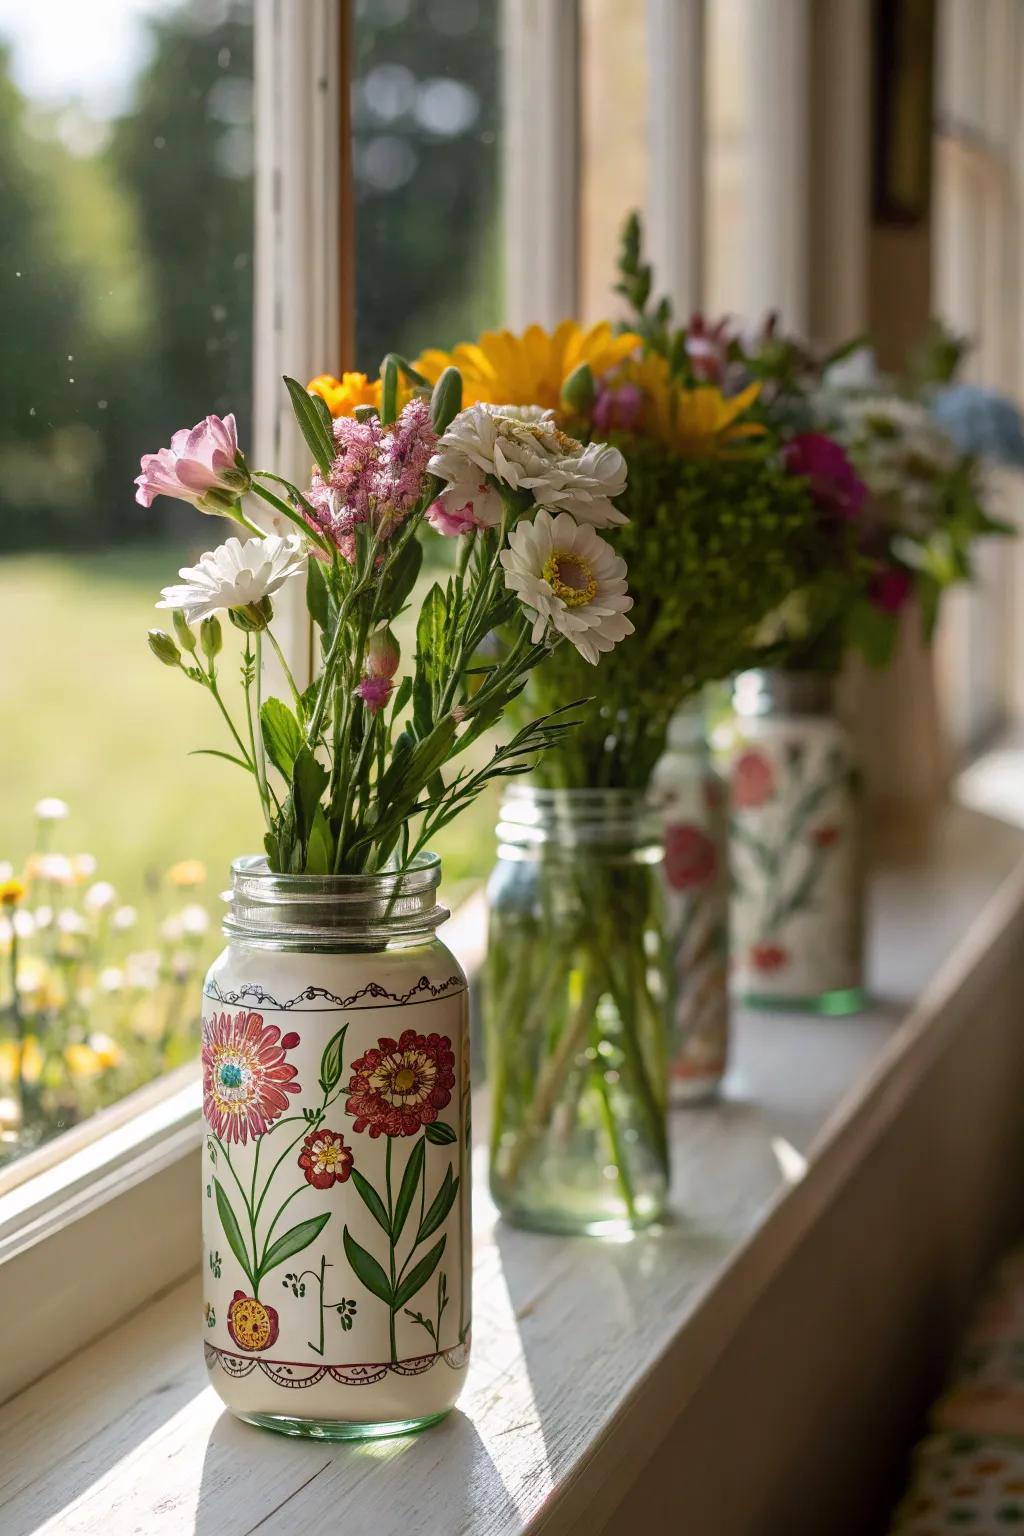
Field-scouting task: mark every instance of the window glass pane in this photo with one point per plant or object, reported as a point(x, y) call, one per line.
point(125, 314)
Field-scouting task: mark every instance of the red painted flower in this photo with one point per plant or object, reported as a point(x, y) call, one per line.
point(753, 780)
point(246, 1080)
point(768, 957)
point(251, 1324)
point(325, 1159)
point(290, 1041)
point(825, 837)
point(690, 858)
point(401, 1084)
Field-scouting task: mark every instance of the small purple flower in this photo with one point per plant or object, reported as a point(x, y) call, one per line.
point(889, 588)
point(837, 488)
point(374, 692)
point(617, 408)
point(203, 467)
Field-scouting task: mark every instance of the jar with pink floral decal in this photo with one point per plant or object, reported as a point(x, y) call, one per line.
point(691, 797)
point(797, 856)
point(336, 1233)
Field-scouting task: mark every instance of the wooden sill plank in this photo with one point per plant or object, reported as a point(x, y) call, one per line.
point(582, 1350)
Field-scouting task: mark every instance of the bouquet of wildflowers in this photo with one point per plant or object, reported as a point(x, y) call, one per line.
point(358, 769)
point(95, 997)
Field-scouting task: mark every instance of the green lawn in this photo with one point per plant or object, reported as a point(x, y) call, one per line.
point(87, 714)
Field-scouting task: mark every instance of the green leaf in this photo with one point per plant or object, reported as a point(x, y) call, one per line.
point(293, 1241)
point(326, 419)
point(399, 579)
point(318, 597)
point(417, 1277)
point(389, 390)
point(367, 1269)
point(309, 780)
point(370, 1198)
point(319, 441)
point(213, 752)
point(319, 856)
point(446, 401)
point(440, 1206)
point(232, 1231)
point(410, 1183)
point(440, 1133)
point(402, 696)
point(282, 737)
point(331, 1061)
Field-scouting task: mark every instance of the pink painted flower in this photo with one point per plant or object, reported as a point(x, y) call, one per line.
point(825, 837)
point(768, 957)
point(753, 780)
point(889, 589)
point(374, 692)
point(399, 1086)
point(691, 859)
point(451, 521)
point(246, 1080)
point(837, 488)
point(617, 408)
point(203, 467)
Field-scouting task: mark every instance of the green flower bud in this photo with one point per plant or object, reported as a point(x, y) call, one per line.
point(365, 412)
point(578, 391)
point(183, 630)
point(211, 637)
point(164, 648)
point(253, 617)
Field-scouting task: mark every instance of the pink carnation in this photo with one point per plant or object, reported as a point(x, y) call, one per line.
point(202, 467)
point(835, 485)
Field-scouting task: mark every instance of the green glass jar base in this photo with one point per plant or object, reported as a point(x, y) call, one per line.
point(834, 1004)
point(338, 1429)
point(571, 1224)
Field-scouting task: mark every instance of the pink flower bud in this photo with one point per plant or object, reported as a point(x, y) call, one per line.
point(374, 692)
point(382, 654)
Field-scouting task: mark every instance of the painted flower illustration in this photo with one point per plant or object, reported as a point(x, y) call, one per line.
point(325, 1159)
point(246, 1080)
point(252, 1324)
point(825, 837)
point(768, 957)
point(753, 780)
point(690, 857)
point(399, 1086)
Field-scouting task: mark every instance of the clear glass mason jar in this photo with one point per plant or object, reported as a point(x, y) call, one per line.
point(336, 1230)
point(575, 1012)
point(796, 848)
point(692, 800)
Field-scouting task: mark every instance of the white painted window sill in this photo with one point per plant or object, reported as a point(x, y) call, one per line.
point(585, 1353)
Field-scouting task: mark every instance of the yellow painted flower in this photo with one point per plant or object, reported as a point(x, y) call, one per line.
point(187, 873)
point(31, 1057)
point(341, 396)
point(12, 893)
point(504, 369)
point(697, 423)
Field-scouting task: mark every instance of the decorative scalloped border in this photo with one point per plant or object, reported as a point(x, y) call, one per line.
point(254, 993)
point(281, 1372)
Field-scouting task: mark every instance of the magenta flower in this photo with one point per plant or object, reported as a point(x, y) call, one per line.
point(617, 408)
point(203, 467)
point(889, 588)
point(837, 488)
point(374, 692)
point(451, 521)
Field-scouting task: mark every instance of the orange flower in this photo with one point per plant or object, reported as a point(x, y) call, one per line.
point(341, 396)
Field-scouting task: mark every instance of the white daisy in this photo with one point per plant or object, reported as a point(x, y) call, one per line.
point(51, 809)
point(568, 577)
point(235, 576)
point(523, 448)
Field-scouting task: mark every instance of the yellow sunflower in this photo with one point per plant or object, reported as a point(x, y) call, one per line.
point(341, 396)
point(698, 423)
point(504, 369)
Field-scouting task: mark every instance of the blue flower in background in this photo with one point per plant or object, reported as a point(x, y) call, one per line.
point(981, 422)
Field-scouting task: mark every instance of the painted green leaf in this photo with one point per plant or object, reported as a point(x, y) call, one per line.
point(331, 1060)
point(293, 1241)
point(370, 1198)
point(410, 1183)
point(440, 1133)
point(367, 1269)
point(418, 1276)
point(281, 736)
point(232, 1231)
point(440, 1206)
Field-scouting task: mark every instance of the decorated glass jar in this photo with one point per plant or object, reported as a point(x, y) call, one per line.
point(575, 1005)
point(691, 798)
point(336, 1153)
point(796, 847)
